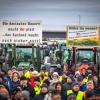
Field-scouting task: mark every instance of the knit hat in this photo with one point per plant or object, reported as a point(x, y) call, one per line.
point(55, 73)
point(23, 78)
point(35, 72)
point(13, 67)
point(44, 85)
point(71, 76)
point(80, 78)
point(75, 83)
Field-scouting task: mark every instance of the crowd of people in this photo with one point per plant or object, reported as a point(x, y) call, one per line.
point(53, 84)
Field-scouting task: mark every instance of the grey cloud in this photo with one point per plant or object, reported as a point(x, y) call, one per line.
point(55, 12)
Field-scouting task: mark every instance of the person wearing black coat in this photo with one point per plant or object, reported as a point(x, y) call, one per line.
point(26, 86)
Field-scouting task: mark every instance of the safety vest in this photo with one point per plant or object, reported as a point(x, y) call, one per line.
point(60, 78)
point(42, 80)
point(84, 94)
point(46, 73)
point(37, 90)
point(79, 95)
point(28, 74)
point(85, 80)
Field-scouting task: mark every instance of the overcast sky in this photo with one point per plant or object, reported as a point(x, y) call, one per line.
point(52, 12)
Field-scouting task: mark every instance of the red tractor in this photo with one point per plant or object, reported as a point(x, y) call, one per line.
point(84, 57)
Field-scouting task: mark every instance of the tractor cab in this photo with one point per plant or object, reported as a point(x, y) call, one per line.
point(23, 56)
point(84, 56)
point(77, 56)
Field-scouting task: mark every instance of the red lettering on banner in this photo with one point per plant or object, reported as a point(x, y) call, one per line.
point(21, 29)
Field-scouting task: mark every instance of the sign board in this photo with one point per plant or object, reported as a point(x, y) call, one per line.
point(79, 34)
point(20, 31)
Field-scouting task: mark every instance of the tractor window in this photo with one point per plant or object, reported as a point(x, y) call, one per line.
point(24, 53)
point(84, 56)
point(23, 56)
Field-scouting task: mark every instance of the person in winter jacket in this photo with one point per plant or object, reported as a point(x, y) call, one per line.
point(59, 88)
point(55, 78)
point(89, 87)
point(75, 91)
point(68, 82)
point(17, 94)
point(44, 93)
point(24, 84)
point(81, 83)
point(15, 81)
point(55, 95)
